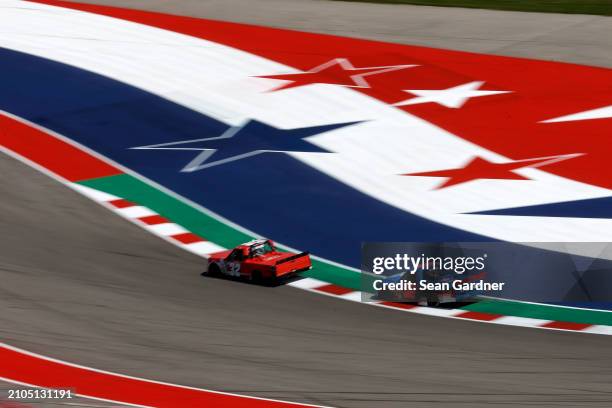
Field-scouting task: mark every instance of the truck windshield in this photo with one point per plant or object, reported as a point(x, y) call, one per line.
point(262, 249)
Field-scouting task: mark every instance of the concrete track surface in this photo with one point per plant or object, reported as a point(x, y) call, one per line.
point(80, 284)
point(581, 39)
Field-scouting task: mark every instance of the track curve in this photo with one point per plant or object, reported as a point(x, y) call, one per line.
point(81, 284)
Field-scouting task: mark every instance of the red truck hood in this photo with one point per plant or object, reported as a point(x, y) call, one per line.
point(217, 256)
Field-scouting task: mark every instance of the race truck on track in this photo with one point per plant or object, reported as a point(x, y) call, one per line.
point(257, 260)
point(431, 297)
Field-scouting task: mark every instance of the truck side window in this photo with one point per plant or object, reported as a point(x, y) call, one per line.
point(236, 255)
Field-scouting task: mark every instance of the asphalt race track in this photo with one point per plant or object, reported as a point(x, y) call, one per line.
point(82, 285)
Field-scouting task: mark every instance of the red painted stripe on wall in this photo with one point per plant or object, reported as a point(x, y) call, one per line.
point(23, 367)
point(334, 289)
point(187, 238)
point(399, 305)
point(55, 155)
point(487, 317)
point(153, 220)
point(121, 203)
point(566, 326)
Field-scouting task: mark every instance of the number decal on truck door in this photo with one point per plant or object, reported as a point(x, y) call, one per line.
point(233, 268)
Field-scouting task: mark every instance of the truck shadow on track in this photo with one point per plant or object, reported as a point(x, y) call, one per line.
point(262, 282)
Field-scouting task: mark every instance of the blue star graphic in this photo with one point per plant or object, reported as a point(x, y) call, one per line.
point(249, 139)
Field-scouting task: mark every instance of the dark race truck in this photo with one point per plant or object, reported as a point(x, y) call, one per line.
point(439, 291)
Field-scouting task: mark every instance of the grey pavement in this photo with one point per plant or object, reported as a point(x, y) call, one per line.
point(575, 38)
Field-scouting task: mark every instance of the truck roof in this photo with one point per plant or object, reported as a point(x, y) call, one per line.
point(253, 242)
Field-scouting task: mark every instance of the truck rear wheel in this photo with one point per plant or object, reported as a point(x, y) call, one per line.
point(256, 277)
point(213, 270)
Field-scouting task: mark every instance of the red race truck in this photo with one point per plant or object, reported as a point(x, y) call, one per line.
point(257, 260)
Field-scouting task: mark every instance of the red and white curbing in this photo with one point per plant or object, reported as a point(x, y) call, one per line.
point(181, 237)
point(34, 370)
point(326, 288)
point(152, 222)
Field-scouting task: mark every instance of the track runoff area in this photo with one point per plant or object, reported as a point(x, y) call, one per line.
point(304, 107)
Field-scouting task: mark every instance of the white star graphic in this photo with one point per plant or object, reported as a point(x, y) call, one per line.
point(599, 113)
point(454, 97)
point(338, 71)
point(359, 79)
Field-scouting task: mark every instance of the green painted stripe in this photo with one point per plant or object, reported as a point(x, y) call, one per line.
point(546, 312)
point(132, 189)
point(209, 227)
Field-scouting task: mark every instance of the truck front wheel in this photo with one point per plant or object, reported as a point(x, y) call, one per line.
point(213, 270)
